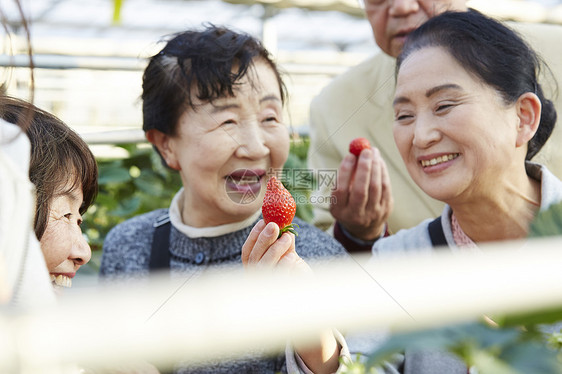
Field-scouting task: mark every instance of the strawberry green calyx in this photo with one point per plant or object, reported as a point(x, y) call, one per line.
point(289, 228)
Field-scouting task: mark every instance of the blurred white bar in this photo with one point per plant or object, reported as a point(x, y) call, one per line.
point(73, 62)
point(229, 312)
point(114, 136)
point(44, 61)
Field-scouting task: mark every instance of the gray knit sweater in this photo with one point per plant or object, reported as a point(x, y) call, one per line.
point(126, 253)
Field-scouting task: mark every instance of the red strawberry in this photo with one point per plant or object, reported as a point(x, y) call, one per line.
point(279, 206)
point(357, 145)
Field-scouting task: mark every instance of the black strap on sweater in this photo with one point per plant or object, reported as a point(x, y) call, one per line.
point(160, 251)
point(436, 233)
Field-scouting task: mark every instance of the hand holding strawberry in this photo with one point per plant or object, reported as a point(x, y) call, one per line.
point(267, 244)
point(362, 199)
point(263, 249)
point(279, 206)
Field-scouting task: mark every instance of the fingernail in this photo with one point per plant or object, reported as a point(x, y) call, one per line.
point(269, 229)
point(366, 154)
point(285, 239)
point(258, 226)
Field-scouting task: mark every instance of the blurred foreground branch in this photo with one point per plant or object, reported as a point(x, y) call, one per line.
point(229, 312)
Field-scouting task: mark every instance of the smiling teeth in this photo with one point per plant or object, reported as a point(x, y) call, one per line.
point(246, 180)
point(61, 280)
point(438, 160)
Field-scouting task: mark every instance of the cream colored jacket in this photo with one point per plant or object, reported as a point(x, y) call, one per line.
point(359, 103)
point(24, 279)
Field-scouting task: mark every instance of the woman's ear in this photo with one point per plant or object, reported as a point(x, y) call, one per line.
point(529, 113)
point(162, 142)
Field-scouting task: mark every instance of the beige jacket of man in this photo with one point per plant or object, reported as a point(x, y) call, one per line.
point(359, 103)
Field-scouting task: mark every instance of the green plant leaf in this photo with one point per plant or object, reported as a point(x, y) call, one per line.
point(117, 5)
point(149, 184)
point(113, 174)
point(488, 363)
point(127, 207)
point(545, 316)
point(492, 350)
point(547, 222)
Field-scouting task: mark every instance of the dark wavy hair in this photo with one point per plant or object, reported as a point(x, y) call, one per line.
point(494, 53)
point(208, 63)
point(60, 159)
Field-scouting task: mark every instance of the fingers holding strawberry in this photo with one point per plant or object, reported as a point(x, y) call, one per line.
point(249, 255)
point(263, 247)
point(362, 198)
point(272, 240)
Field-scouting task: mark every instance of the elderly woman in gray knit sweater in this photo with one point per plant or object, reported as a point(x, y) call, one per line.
point(213, 110)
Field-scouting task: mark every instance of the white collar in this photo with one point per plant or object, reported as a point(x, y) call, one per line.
point(207, 232)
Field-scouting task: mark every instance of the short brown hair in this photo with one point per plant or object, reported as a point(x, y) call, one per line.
point(201, 63)
point(58, 153)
